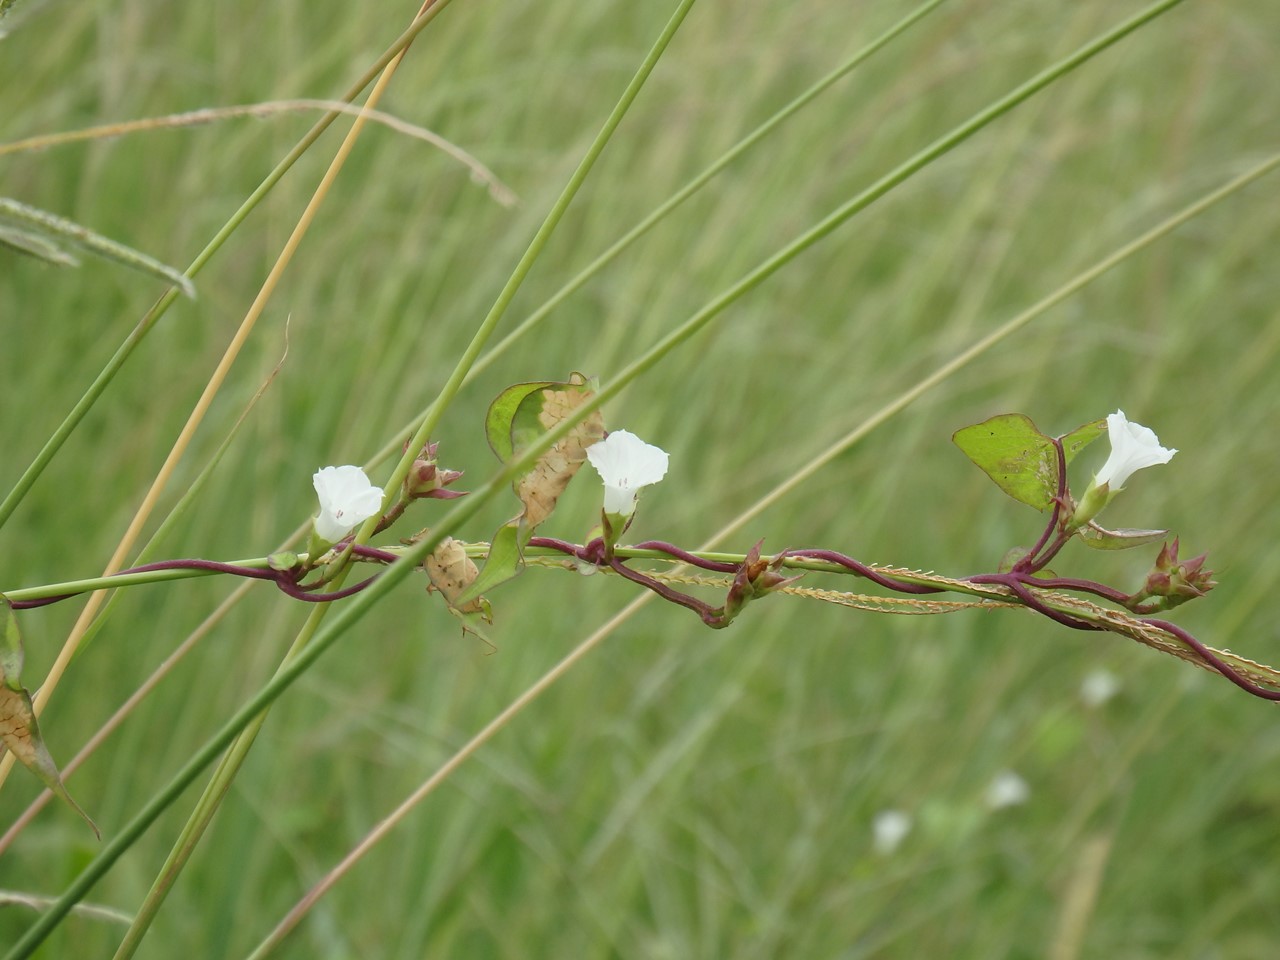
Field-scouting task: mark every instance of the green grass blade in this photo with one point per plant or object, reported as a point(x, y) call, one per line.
point(210, 800)
point(150, 318)
point(362, 603)
point(431, 419)
point(50, 225)
point(36, 245)
point(701, 180)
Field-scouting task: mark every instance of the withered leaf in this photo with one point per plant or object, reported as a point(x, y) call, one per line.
point(452, 572)
point(541, 488)
point(19, 731)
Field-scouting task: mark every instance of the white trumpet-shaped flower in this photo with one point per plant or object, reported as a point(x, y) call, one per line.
point(1133, 447)
point(347, 499)
point(626, 464)
point(1098, 687)
point(888, 830)
point(1007, 790)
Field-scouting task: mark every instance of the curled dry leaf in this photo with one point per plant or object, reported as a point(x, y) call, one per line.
point(516, 418)
point(18, 728)
point(541, 487)
point(452, 572)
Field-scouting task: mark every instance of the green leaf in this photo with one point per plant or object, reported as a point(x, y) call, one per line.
point(1081, 437)
point(1011, 558)
point(476, 622)
point(11, 652)
point(35, 221)
point(18, 728)
point(283, 560)
point(1101, 538)
point(500, 423)
point(505, 561)
point(523, 413)
point(518, 416)
point(1015, 454)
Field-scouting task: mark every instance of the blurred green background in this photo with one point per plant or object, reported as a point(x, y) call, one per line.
point(682, 793)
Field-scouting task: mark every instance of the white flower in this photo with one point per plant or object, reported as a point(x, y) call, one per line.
point(1007, 790)
point(625, 464)
point(1133, 447)
point(1098, 687)
point(889, 829)
point(347, 499)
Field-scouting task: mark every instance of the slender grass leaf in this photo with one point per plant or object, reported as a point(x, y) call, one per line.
point(35, 245)
point(51, 225)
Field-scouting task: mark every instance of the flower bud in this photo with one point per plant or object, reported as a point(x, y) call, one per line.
point(1171, 582)
point(754, 578)
point(426, 479)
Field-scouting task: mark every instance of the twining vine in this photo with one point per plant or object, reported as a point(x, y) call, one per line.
point(1026, 464)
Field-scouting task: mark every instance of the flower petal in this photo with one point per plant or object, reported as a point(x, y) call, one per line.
point(626, 464)
point(1133, 447)
point(347, 499)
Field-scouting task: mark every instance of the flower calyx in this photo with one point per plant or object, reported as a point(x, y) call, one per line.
point(755, 578)
point(426, 479)
point(1172, 581)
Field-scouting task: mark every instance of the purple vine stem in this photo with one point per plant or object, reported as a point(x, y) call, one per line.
point(286, 580)
point(1014, 577)
point(710, 616)
point(1018, 585)
point(719, 566)
point(1018, 581)
point(1029, 563)
point(211, 565)
point(1083, 586)
point(1213, 659)
point(373, 553)
point(42, 602)
point(302, 593)
point(594, 552)
point(862, 570)
point(564, 546)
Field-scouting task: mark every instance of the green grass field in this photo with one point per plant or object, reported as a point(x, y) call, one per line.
point(681, 792)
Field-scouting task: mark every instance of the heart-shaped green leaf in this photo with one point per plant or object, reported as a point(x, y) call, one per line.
point(1081, 437)
point(1015, 454)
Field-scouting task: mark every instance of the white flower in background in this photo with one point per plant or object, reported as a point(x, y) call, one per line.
point(1098, 687)
point(1133, 447)
point(1007, 790)
point(888, 830)
point(347, 499)
point(625, 464)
